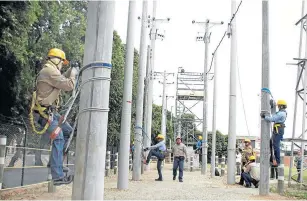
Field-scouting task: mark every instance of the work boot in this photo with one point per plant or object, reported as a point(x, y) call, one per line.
point(247, 186)
point(180, 180)
point(65, 169)
point(239, 183)
point(63, 181)
point(159, 179)
point(174, 178)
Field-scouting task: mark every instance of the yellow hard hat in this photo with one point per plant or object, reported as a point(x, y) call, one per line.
point(247, 140)
point(200, 137)
point(281, 102)
point(160, 136)
point(55, 52)
point(252, 157)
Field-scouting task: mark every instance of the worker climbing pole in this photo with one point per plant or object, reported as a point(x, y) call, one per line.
point(45, 105)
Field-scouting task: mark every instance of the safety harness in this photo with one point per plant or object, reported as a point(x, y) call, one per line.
point(276, 126)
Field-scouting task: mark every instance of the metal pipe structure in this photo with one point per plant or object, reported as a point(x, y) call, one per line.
point(125, 131)
point(213, 148)
point(296, 96)
point(136, 174)
point(231, 150)
point(304, 117)
point(265, 106)
point(94, 103)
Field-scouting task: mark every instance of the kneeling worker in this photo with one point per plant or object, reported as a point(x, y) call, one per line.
point(251, 174)
point(157, 150)
point(180, 151)
point(44, 107)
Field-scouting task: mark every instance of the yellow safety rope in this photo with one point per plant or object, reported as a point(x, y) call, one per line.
point(36, 106)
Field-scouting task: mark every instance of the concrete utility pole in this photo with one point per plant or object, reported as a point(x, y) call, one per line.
point(94, 103)
point(265, 103)
point(214, 118)
point(296, 95)
point(231, 152)
point(153, 37)
point(164, 101)
point(164, 109)
point(146, 139)
point(136, 174)
point(151, 70)
point(206, 39)
point(123, 162)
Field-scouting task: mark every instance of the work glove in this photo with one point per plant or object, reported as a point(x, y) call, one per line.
point(272, 103)
point(146, 149)
point(74, 72)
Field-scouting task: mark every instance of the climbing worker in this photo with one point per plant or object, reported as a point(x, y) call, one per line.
point(279, 119)
point(251, 174)
point(274, 170)
point(199, 148)
point(246, 153)
point(298, 161)
point(45, 103)
point(179, 151)
point(157, 150)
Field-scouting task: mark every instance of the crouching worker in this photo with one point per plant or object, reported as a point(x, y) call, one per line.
point(157, 150)
point(180, 153)
point(251, 174)
point(45, 103)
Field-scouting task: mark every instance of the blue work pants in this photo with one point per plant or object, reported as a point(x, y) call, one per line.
point(56, 159)
point(160, 156)
point(178, 162)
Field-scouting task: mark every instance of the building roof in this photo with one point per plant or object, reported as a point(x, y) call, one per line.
point(247, 137)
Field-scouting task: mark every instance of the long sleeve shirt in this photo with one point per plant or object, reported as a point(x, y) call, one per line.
point(199, 143)
point(161, 146)
point(278, 117)
point(179, 150)
point(254, 170)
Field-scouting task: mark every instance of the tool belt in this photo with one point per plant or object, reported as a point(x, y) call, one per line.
point(181, 158)
point(277, 127)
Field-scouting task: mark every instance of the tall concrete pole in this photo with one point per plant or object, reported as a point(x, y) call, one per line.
point(265, 103)
point(231, 152)
point(123, 162)
point(94, 103)
point(214, 118)
point(296, 95)
point(205, 109)
point(136, 174)
point(151, 70)
point(146, 138)
point(304, 118)
point(164, 109)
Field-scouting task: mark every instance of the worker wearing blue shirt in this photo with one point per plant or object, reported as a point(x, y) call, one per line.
point(158, 150)
point(199, 148)
point(279, 119)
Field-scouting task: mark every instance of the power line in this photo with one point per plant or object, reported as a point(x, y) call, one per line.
point(233, 16)
point(239, 79)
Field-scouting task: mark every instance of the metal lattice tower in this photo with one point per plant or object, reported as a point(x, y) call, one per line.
point(189, 93)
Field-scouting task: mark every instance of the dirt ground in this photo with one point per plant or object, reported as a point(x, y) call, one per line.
point(194, 187)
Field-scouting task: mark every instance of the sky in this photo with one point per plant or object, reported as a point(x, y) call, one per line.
point(180, 49)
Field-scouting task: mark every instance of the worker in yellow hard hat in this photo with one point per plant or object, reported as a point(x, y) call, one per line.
point(278, 119)
point(45, 102)
point(251, 174)
point(246, 153)
point(158, 150)
point(199, 148)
